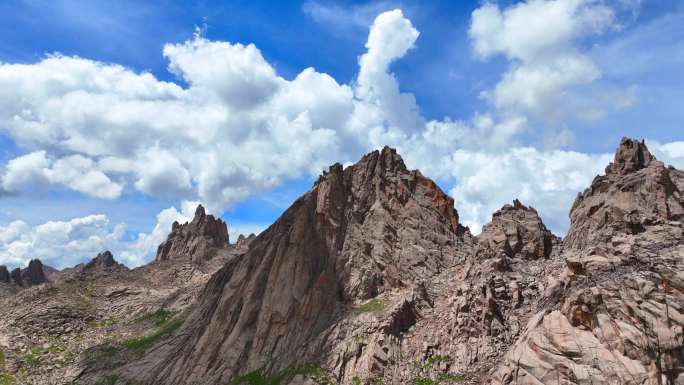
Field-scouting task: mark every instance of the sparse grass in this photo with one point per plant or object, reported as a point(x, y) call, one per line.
point(2, 361)
point(6, 379)
point(105, 322)
point(261, 377)
point(80, 296)
point(452, 377)
point(108, 380)
point(144, 342)
point(158, 318)
point(427, 374)
point(360, 338)
point(375, 305)
point(32, 359)
point(356, 380)
point(108, 349)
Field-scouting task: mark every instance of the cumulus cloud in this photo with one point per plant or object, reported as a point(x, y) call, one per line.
point(539, 38)
point(232, 127)
point(547, 180)
point(35, 170)
point(58, 243)
point(66, 243)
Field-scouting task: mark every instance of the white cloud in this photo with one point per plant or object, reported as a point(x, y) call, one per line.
point(235, 127)
point(549, 181)
point(66, 243)
point(670, 153)
point(79, 173)
point(58, 243)
point(539, 39)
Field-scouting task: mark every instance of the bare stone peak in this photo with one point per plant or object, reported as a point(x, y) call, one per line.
point(195, 240)
point(631, 155)
point(516, 229)
point(4, 274)
point(104, 259)
point(200, 214)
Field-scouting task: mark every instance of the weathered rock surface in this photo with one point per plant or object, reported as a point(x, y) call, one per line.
point(616, 315)
point(4, 274)
point(196, 240)
point(370, 276)
point(360, 233)
point(245, 241)
point(516, 231)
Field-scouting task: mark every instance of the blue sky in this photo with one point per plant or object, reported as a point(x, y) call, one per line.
point(117, 117)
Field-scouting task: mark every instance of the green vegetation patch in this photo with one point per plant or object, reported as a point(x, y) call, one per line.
point(261, 377)
point(145, 342)
point(360, 338)
point(158, 318)
point(375, 305)
point(427, 374)
point(7, 379)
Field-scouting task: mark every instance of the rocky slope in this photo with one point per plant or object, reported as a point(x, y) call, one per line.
point(616, 314)
point(369, 278)
point(75, 322)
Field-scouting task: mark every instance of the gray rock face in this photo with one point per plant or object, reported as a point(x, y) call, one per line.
point(4, 274)
point(196, 240)
point(362, 231)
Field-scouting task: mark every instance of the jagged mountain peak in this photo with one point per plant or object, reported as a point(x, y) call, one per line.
point(4, 274)
point(352, 237)
point(637, 191)
point(195, 240)
point(632, 155)
point(516, 230)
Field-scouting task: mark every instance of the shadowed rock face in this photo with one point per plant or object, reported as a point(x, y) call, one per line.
point(196, 240)
point(33, 274)
point(359, 232)
point(4, 274)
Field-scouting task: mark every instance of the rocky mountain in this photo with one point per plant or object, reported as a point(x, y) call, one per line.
point(34, 274)
point(196, 240)
point(369, 278)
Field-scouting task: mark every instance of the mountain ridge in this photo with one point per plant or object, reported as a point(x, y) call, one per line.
point(370, 277)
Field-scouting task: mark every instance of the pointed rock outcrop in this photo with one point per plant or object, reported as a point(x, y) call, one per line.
point(637, 191)
point(616, 315)
point(516, 231)
point(359, 232)
point(4, 274)
point(244, 241)
point(104, 261)
point(33, 274)
point(196, 240)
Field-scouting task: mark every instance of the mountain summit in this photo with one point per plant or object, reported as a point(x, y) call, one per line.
point(369, 278)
